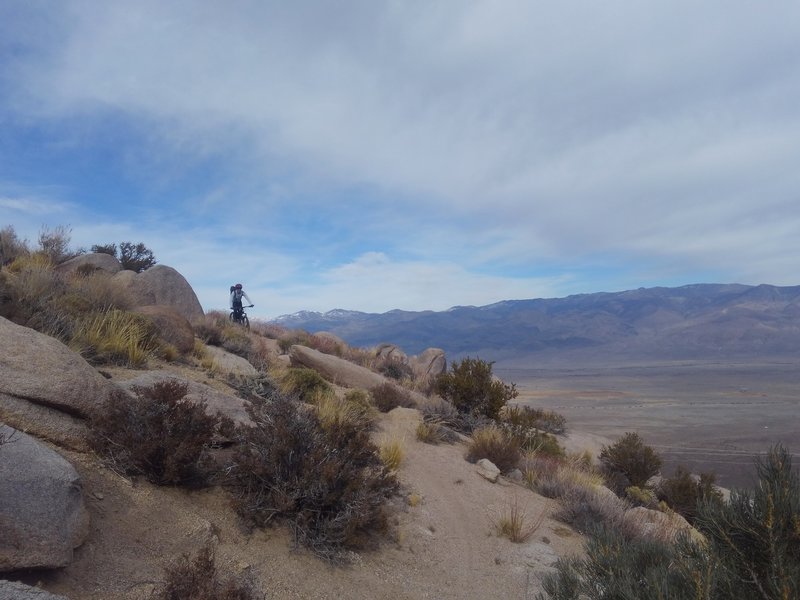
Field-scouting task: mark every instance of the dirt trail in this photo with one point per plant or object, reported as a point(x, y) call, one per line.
point(444, 547)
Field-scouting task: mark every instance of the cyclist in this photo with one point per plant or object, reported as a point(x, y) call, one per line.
point(236, 300)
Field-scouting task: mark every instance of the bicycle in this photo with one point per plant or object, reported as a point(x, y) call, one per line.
point(240, 317)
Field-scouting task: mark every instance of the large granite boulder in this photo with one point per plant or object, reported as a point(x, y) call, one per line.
point(391, 352)
point(12, 590)
point(227, 362)
point(215, 401)
point(164, 286)
point(95, 261)
point(172, 326)
point(42, 514)
point(45, 388)
point(342, 372)
point(430, 363)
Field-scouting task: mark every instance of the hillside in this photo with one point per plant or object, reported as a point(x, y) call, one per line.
point(704, 321)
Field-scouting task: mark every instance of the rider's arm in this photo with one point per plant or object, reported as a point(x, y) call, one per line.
point(244, 294)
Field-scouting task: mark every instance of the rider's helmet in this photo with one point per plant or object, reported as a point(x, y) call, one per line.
point(238, 286)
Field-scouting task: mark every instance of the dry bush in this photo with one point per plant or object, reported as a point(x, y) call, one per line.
point(55, 244)
point(116, 336)
point(641, 497)
point(292, 337)
point(515, 524)
point(325, 345)
point(442, 412)
point(388, 396)
point(583, 507)
point(306, 384)
point(526, 417)
point(556, 477)
point(683, 493)
point(199, 579)
point(11, 247)
point(496, 445)
point(329, 486)
point(209, 327)
point(395, 369)
point(268, 330)
point(260, 355)
point(392, 451)
point(157, 433)
point(430, 433)
point(97, 291)
point(236, 340)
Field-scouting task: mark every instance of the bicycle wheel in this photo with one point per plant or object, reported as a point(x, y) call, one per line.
point(245, 322)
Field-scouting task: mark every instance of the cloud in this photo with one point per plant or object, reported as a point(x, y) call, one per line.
point(495, 142)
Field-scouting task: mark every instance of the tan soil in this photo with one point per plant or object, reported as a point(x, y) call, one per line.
point(445, 546)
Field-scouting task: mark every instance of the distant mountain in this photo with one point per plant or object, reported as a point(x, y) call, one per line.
point(703, 321)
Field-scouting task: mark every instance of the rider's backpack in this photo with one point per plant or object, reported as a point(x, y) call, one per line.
point(233, 287)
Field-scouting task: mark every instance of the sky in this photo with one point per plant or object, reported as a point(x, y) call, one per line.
point(416, 155)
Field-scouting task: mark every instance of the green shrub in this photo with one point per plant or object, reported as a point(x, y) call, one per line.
point(199, 579)
point(132, 257)
point(682, 492)
point(496, 445)
point(306, 384)
point(328, 485)
point(471, 388)
point(388, 396)
point(157, 433)
point(631, 458)
point(641, 497)
point(396, 370)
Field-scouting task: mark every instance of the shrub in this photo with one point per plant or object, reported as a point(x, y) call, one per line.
point(334, 413)
point(583, 507)
point(132, 257)
point(471, 388)
point(388, 396)
point(533, 440)
point(682, 492)
point(630, 457)
point(526, 417)
point(209, 327)
point(756, 535)
point(306, 384)
point(496, 445)
point(157, 433)
point(514, 523)
point(199, 579)
point(328, 485)
point(641, 497)
point(433, 433)
point(396, 370)
point(446, 415)
point(556, 477)
point(54, 244)
point(11, 247)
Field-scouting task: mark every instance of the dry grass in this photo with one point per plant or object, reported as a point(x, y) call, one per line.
point(496, 445)
point(334, 413)
point(515, 524)
point(118, 337)
point(388, 396)
point(392, 451)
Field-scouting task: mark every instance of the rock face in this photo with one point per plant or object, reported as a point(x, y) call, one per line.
point(164, 286)
point(391, 352)
point(11, 590)
point(429, 363)
point(334, 369)
point(172, 326)
point(94, 260)
point(214, 401)
point(46, 388)
point(224, 361)
point(42, 515)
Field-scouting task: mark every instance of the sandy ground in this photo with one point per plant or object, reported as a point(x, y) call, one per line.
point(444, 546)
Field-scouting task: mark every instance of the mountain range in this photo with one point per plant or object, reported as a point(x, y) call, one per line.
point(692, 322)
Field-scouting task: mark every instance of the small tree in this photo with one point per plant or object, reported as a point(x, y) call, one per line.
point(471, 388)
point(630, 457)
point(132, 257)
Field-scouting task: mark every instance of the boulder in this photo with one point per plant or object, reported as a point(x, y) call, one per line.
point(94, 260)
point(226, 362)
point(173, 327)
point(46, 388)
point(215, 401)
point(391, 352)
point(660, 524)
point(430, 363)
point(11, 590)
point(164, 286)
point(342, 372)
point(488, 470)
point(42, 514)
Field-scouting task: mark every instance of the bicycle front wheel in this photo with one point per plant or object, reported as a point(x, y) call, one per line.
point(245, 322)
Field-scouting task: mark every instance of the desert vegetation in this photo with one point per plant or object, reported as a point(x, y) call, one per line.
point(471, 388)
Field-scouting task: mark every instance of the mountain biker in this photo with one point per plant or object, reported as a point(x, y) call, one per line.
point(236, 298)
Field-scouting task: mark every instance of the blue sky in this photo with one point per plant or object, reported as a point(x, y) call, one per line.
point(414, 155)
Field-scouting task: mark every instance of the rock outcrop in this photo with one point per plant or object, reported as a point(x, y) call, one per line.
point(42, 514)
point(226, 362)
point(94, 260)
point(11, 590)
point(429, 363)
point(391, 352)
point(173, 327)
point(45, 388)
point(164, 286)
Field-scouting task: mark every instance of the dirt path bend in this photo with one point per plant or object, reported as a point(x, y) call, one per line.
point(443, 545)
